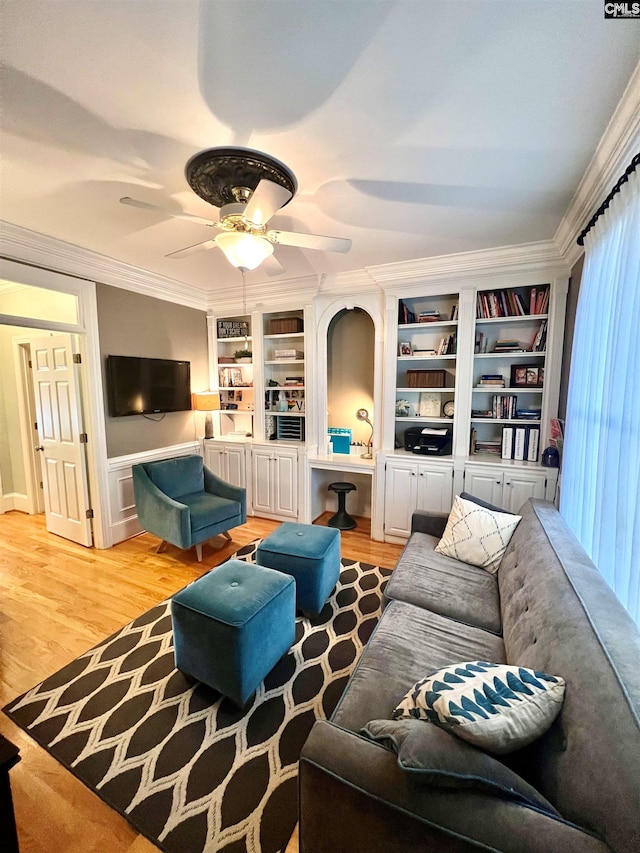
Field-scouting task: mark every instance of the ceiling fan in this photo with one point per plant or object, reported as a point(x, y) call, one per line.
point(249, 187)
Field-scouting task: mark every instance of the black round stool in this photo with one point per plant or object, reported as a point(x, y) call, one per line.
point(342, 520)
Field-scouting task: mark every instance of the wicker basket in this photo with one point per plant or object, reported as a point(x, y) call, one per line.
point(426, 378)
point(285, 326)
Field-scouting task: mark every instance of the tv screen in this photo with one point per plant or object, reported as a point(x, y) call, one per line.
point(145, 386)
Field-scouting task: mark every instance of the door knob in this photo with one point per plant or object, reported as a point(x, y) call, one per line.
point(39, 447)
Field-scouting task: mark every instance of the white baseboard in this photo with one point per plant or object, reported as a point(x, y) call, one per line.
point(14, 500)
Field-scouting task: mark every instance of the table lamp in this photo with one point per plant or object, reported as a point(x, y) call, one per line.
point(363, 415)
point(207, 401)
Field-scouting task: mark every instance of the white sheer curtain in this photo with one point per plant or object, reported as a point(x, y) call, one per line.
point(600, 492)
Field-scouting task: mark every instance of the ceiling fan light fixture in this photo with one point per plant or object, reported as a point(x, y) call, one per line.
point(244, 250)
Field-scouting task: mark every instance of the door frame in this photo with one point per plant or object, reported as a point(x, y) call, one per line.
point(92, 395)
point(27, 417)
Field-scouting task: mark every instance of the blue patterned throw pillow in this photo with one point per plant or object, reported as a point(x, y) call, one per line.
point(496, 707)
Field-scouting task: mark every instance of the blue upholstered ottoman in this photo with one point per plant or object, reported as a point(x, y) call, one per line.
point(308, 552)
point(233, 625)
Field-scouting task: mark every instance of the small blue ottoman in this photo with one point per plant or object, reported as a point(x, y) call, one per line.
point(308, 552)
point(232, 626)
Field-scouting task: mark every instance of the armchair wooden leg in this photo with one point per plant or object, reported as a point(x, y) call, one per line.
point(162, 547)
point(227, 535)
point(199, 551)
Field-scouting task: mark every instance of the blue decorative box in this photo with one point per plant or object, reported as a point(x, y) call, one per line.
point(340, 439)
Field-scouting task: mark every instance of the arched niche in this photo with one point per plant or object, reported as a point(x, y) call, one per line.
point(350, 370)
point(349, 366)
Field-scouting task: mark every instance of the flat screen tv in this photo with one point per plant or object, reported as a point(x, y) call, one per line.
point(146, 386)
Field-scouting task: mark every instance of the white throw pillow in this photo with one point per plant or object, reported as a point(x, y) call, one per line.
point(496, 707)
point(477, 535)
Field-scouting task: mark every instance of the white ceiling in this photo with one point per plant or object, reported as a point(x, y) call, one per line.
point(415, 128)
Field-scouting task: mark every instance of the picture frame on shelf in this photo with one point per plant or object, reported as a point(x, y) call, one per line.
point(404, 348)
point(429, 405)
point(527, 376)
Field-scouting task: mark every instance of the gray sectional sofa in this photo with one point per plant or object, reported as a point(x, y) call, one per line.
point(547, 608)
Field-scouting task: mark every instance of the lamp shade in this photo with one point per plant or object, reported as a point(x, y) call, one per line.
point(206, 401)
point(244, 250)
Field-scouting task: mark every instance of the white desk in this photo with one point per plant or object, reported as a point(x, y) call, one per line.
point(345, 467)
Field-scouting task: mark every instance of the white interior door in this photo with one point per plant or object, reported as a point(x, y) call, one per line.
point(64, 470)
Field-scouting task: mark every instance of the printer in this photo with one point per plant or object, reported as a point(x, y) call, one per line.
point(427, 441)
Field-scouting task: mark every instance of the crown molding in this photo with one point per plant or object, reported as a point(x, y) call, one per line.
point(619, 144)
point(521, 257)
point(20, 244)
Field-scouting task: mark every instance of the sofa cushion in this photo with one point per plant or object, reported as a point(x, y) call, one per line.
point(207, 509)
point(430, 754)
point(477, 535)
point(444, 585)
point(406, 643)
point(496, 707)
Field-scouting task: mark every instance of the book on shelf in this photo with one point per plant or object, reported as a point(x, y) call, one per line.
point(495, 380)
point(507, 443)
point(539, 341)
point(492, 447)
point(504, 406)
point(428, 316)
point(510, 302)
point(528, 414)
point(424, 352)
point(508, 345)
point(454, 312)
point(405, 314)
point(521, 443)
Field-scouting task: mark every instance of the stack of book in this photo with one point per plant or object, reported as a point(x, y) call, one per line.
point(491, 380)
point(528, 414)
point(521, 443)
point(428, 316)
point(508, 345)
point(492, 447)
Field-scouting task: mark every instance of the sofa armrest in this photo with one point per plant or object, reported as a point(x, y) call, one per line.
point(158, 513)
point(217, 486)
point(431, 523)
point(352, 787)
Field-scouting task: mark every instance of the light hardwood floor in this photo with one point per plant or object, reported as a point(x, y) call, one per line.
point(57, 600)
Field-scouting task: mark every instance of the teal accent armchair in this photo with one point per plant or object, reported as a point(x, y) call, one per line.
point(184, 503)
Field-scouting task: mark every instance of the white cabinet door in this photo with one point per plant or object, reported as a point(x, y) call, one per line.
point(508, 489)
point(275, 481)
point(285, 496)
point(484, 483)
point(435, 488)
point(234, 465)
point(263, 475)
point(214, 458)
point(519, 486)
point(401, 497)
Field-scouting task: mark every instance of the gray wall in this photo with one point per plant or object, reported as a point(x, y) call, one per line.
point(132, 324)
point(570, 320)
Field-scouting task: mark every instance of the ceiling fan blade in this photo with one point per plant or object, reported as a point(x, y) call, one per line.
point(191, 250)
point(178, 214)
point(266, 199)
point(272, 266)
point(310, 241)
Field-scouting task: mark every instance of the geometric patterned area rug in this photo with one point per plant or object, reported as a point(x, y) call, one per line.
point(182, 764)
